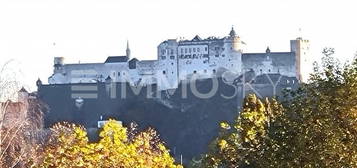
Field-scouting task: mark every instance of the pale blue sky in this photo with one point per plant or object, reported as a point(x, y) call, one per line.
point(90, 30)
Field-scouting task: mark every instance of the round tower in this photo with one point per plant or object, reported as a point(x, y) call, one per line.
point(236, 42)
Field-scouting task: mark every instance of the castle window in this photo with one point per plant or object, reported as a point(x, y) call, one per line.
point(163, 72)
point(163, 57)
point(194, 49)
point(269, 70)
point(217, 55)
point(118, 73)
point(172, 63)
point(214, 71)
point(194, 56)
point(172, 51)
point(194, 71)
point(205, 71)
point(162, 52)
point(185, 50)
point(223, 48)
point(216, 48)
point(172, 57)
point(206, 48)
point(181, 50)
point(189, 50)
point(223, 55)
point(261, 71)
point(198, 49)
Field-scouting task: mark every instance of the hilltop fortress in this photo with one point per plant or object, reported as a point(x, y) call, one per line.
point(182, 59)
point(156, 91)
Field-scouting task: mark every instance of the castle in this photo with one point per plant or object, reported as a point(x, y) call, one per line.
point(184, 59)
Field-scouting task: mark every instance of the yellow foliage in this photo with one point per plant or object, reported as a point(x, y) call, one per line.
point(69, 147)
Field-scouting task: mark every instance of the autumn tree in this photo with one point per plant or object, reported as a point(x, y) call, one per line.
point(20, 121)
point(117, 147)
point(320, 124)
point(313, 126)
point(242, 143)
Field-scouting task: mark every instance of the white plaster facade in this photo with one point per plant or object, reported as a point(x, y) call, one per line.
point(181, 60)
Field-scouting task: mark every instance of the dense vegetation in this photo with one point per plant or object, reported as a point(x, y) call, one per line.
point(314, 126)
point(118, 147)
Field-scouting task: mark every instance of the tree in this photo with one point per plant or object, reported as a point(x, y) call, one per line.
point(20, 121)
point(313, 126)
point(320, 124)
point(244, 142)
point(69, 147)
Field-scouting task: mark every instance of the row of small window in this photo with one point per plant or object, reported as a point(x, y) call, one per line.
point(123, 73)
point(219, 48)
point(171, 51)
point(261, 70)
point(205, 71)
point(190, 50)
point(164, 72)
point(193, 56)
point(217, 55)
point(171, 57)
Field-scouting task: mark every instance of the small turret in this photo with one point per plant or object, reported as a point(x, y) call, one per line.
point(232, 33)
point(58, 64)
point(267, 50)
point(38, 82)
point(23, 95)
point(127, 50)
point(235, 39)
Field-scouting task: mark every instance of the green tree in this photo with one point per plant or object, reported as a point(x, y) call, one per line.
point(242, 143)
point(321, 119)
point(314, 126)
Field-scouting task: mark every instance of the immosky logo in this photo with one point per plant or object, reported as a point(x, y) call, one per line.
point(239, 82)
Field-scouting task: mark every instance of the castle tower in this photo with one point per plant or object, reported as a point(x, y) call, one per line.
point(236, 42)
point(127, 50)
point(301, 47)
point(23, 95)
point(58, 64)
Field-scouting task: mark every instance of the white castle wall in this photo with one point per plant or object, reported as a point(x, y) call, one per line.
point(180, 60)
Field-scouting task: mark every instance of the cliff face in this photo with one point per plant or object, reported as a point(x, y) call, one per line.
point(185, 120)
